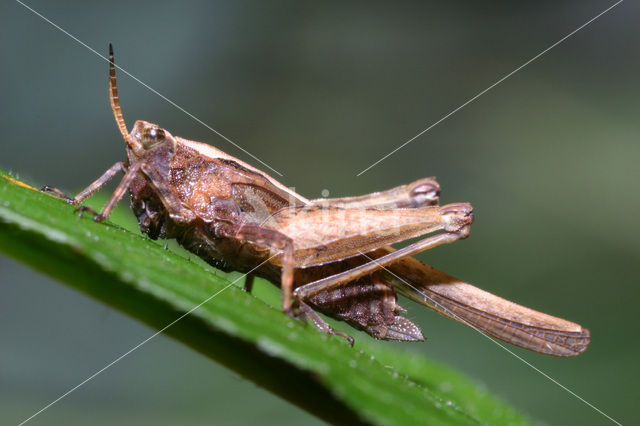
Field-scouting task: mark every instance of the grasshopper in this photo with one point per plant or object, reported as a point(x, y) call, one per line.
point(327, 255)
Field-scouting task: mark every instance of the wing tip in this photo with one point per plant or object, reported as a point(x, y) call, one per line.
point(579, 343)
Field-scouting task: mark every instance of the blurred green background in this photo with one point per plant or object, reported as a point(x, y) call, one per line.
point(319, 92)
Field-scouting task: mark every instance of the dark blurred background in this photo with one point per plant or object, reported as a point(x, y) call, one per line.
point(319, 92)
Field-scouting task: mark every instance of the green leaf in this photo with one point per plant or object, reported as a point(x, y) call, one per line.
point(369, 383)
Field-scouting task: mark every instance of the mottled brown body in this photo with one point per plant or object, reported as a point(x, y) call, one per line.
point(368, 303)
point(330, 255)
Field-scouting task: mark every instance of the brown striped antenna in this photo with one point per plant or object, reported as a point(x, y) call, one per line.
point(113, 96)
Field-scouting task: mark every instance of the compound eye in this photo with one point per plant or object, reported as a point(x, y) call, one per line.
point(151, 137)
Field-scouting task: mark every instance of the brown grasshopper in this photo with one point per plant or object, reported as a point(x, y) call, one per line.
point(327, 255)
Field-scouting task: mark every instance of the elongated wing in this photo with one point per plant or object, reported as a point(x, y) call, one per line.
point(488, 313)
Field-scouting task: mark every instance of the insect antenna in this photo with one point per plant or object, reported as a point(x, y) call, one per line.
point(113, 96)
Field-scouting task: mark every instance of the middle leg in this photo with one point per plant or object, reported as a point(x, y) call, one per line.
point(271, 239)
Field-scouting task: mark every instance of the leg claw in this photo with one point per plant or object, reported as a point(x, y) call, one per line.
point(59, 193)
point(98, 217)
point(333, 332)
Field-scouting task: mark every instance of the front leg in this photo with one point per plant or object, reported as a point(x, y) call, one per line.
point(116, 196)
point(273, 240)
point(120, 166)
